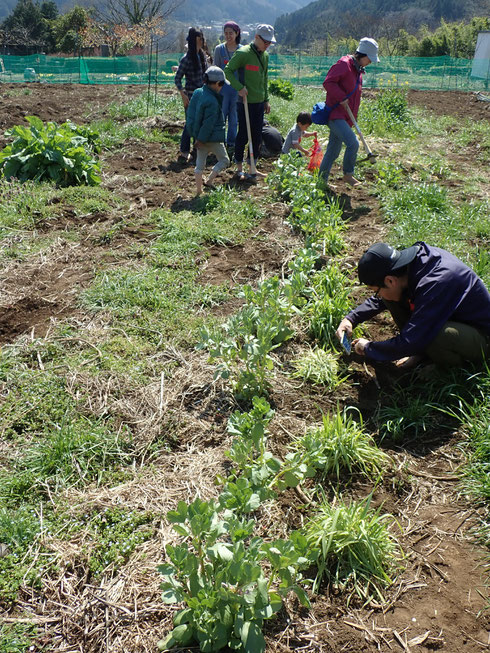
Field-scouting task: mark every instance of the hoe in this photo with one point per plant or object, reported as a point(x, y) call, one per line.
point(370, 156)
point(252, 176)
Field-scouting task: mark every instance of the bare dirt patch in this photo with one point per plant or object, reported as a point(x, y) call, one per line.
point(47, 289)
point(59, 102)
point(451, 103)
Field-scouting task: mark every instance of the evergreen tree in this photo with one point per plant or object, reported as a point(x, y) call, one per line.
point(26, 26)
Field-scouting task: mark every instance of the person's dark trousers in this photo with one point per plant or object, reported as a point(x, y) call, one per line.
point(185, 139)
point(256, 114)
point(453, 345)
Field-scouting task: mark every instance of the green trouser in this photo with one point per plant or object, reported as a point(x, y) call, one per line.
point(455, 343)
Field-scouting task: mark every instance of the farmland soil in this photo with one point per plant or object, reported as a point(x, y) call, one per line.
point(437, 602)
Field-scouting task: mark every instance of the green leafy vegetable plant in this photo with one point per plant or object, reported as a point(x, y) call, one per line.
point(319, 217)
point(282, 88)
point(65, 154)
point(251, 479)
point(217, 571)
point(245, 342)
point(256, 474)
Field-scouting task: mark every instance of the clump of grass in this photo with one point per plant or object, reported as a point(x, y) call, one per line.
point(356, 549)
point(414, 410)
point(23, 206)
point(424, 197)
point(157, 301)
point(422, 212)
point(387, 114)
point(18, 527)
point(76, 452)
point(34, 399)
point(340, 446)
point(20, 566)
point(114, 133)
point(222, 217)
point(319, 366)
point(476, 426)
point(17, 638)
point(161, 105)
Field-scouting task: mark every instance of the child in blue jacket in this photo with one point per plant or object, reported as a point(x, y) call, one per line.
point(206, 123)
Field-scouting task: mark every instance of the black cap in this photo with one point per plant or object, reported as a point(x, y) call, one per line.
point(380, 260)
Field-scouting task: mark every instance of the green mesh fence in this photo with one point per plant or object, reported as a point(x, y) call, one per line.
point(437, 73)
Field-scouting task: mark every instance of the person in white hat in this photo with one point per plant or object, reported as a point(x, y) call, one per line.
point(343, 84)
point(252, 64)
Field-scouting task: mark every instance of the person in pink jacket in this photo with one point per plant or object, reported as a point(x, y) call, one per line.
point(343, 84)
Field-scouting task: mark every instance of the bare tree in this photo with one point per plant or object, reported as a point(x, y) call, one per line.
point(120, 37)
point(136, 12)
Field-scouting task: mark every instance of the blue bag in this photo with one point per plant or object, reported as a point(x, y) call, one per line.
point(320, 113)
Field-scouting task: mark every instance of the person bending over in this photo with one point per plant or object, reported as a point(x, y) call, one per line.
point(297, 132)
point(343, 85)
point(440, 306)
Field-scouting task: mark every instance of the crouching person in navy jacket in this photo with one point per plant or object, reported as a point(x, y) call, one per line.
point(441, 307)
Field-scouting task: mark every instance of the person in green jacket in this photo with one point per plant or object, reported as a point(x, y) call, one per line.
point(206, 123)
point(252, 63)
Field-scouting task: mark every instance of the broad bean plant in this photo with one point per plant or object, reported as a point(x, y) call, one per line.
point(218, 572)
point(244, 343)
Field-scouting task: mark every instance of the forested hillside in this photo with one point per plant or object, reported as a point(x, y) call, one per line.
point(331, 19)
point(252, 11)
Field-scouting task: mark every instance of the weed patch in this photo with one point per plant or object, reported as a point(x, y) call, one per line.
point(340, 447)
point(113, 535)
point(387, 114)
point(319, 366)
point(16, 638)
point(356, 550)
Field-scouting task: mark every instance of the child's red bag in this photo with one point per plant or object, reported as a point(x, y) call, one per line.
point(316, 156)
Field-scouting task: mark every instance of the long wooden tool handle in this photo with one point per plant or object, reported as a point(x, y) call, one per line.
point(351, 116)
point(253, 169)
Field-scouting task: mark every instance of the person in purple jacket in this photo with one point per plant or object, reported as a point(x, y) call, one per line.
point(440, 306)
point(343, 84)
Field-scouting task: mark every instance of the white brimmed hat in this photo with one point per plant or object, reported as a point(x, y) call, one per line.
point(369, 47)
point(266, 32)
